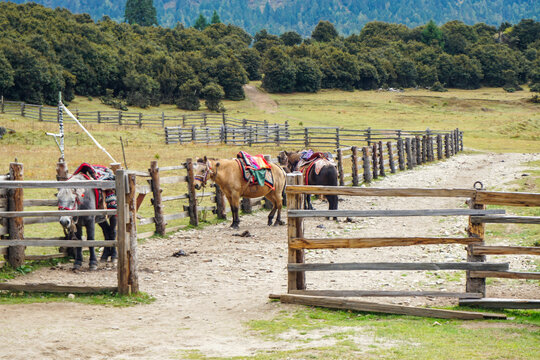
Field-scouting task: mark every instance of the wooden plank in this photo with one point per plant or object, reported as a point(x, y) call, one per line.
point(505, 250)
point(378, 293)
point(176, 216)
point(350, 243)
point(175, 167)
point(46, 184)
point(405, 192)
point(389, 213)
point(43, 213)
point(40, 202)
point(143, 189)
point(495, 303)
point(398, 266)
point(507, 198)
point(59, 242)
point(506, 275)
point(356, 305)
point(45, 287)
point(506, 219)
point(44, 257)
point(3, 251)
point(173, 179)
point(41, 220)
point(186, 196)
point(139, 173)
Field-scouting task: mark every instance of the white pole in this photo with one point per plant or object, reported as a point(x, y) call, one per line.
point(87, 133)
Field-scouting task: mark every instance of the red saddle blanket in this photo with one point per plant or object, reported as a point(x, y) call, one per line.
point(99, 172)
point(252, 175)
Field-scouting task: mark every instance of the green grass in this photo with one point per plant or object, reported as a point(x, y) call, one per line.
point(105, 298)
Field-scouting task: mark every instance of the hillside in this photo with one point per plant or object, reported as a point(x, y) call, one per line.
point(349, 16)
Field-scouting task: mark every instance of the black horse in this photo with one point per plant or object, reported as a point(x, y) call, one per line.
point(328, 174)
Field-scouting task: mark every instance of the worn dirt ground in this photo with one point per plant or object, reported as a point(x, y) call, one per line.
point(205, 299)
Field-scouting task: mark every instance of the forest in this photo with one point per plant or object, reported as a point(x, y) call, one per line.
point(301, 16)
point(44, 51)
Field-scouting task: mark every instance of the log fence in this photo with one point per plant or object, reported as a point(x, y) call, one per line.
point(12, 211)
point(476, 266)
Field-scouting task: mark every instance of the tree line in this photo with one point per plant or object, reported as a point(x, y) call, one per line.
point(44, 51)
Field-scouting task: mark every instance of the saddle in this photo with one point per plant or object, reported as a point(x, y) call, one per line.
point(255, 169)
point(311, 160)
point(105, 199)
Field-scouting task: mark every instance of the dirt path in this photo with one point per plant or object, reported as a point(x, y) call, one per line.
point(205, 299)
point(260, 99)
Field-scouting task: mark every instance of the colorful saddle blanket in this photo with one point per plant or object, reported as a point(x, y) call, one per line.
point(255, 169)
point(99, 172)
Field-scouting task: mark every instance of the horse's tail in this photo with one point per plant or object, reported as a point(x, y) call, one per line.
point(332, 180)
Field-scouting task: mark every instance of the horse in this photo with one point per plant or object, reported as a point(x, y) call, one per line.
point(85, 199)
point(328, 175)
point(228, 175)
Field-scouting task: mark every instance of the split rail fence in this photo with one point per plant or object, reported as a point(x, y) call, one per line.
point(476, 267)
point(13, 218)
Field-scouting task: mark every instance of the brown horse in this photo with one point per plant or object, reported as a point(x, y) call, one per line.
point(227, 174)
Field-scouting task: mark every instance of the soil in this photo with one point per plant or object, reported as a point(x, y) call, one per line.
point(260, 99)
point(205, 299)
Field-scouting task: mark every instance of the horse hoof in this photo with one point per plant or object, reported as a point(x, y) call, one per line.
point(93, 267)
point(280, 222)
point(103, 260)
point(76, 267)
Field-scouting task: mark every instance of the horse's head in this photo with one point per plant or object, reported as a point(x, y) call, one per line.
point(291, 160)
point(69, 199)
point(202, 171)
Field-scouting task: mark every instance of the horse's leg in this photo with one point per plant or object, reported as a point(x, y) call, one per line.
point(90, 232)
point(112, 226)
point(107, 235)
point(78, 250)
point(272, 197)
point(235, 205)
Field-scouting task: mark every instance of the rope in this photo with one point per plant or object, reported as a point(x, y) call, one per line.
point(87, 133)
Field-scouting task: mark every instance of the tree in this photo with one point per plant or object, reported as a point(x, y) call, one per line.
point(6, 74)
point(215, 18)
point(291, 38)
point(251, 61)
point(140, 12)
point(189, 95)
point(201, 23)
point(432, 35)
point(324, 32)
point(308, 75)
point(279, 71)
point(213, 94)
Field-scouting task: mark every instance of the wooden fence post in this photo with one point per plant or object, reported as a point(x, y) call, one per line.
point(391, 158)
point(140, 120)
point(368, 136)
point(99, 117)
point(156, 200)
point(354, 159)
point(460, 134)
point(40, 113)
point(365, 161)
point(337, 138)
point(220, 203)
point(245, 205)
point(16, 225)
point(408, 151)
point(193, 212)
point(306, 137)
point(295, 228)
point(22, 109)
point(430, 147)
point(418, 148)
point(122, 236)
point(374, 161)
point(162, 119)
point(475, 230)
point(401, 155)
point(340, 167)
point(381, 159)
point(61, 170)
point(447, 145)
point(131, 230)
point(2, 104)
point(424, 149)
point(439, 147)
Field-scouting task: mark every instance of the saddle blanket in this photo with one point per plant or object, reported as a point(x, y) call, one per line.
point(99, 172)
point(255, 170)
point(310, 160)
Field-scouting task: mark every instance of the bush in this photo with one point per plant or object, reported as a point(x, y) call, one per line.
point(189, 95)
point(213, 94)
point(437, 86)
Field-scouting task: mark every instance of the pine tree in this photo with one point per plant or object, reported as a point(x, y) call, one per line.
point(215, 18)
point(141, 12)
point(201, 23)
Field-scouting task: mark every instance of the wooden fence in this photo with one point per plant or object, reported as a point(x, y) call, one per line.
point(13, 242)
point(476, 266)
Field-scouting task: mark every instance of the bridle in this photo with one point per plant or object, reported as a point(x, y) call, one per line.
point(78, 202)
point(208, 172)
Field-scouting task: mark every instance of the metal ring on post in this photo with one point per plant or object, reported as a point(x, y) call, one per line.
point(478, 185)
